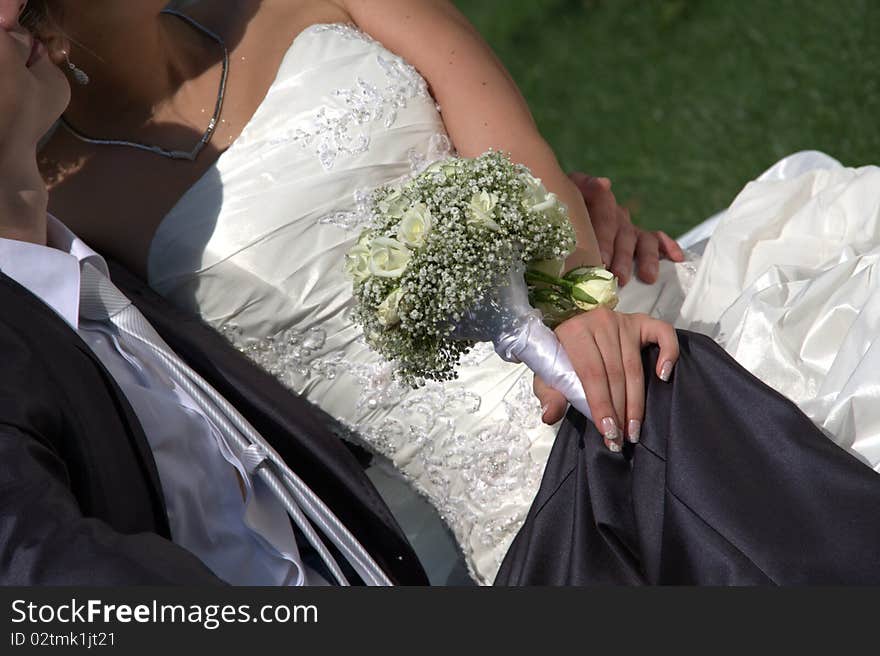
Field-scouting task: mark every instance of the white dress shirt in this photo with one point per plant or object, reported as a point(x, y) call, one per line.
point(245, 538)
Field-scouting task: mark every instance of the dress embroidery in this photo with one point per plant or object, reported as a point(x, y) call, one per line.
point(439, 147)
point(339, 130)
point(467, 476)
point(353, 219)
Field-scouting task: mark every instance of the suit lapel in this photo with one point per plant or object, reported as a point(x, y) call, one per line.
point(66, 336)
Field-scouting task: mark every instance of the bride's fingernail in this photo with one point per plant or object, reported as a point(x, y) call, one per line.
point(611, 434)
point(634, 430)
point(544, 409)
point(666, 371)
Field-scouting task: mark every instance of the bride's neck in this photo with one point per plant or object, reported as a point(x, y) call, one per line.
point(135, 74)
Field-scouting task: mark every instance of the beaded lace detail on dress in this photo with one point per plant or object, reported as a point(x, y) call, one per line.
point(334, 132)
point(439, 147)
point(495, 464)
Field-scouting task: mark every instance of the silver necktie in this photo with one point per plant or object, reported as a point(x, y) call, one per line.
point(100, 300)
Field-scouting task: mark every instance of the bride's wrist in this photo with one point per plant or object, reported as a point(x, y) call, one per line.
point(583, 257)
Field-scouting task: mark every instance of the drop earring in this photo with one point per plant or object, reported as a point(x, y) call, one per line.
point(79, 74)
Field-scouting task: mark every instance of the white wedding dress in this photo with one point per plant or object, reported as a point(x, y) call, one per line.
point(256, 247)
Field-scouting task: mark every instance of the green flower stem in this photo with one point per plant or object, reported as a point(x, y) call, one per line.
point(533, 276)
point(567, 286)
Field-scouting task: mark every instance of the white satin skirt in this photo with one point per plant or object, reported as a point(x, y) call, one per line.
point(787, 281)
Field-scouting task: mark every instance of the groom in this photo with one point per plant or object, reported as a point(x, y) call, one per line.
point(98, 446)
point(111, 475)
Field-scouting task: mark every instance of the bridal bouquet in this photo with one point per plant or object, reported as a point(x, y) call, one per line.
point(442, 266)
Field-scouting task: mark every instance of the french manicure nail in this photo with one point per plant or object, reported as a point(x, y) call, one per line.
point(614, 447)
point(666, 371)
point(634, 430)
point(609, 429)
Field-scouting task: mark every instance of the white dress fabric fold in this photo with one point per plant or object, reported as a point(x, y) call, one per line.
point(788, 284)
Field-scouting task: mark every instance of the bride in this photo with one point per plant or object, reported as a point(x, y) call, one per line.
point(247, 224)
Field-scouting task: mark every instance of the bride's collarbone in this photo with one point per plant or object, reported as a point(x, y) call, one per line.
point(115, 199)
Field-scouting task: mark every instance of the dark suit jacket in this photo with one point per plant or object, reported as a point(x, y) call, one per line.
point(730, 484)
point(80, 498)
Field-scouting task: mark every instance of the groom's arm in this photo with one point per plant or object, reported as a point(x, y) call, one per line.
point(46, 540)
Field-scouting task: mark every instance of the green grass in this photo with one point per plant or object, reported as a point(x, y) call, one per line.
point(680, 102)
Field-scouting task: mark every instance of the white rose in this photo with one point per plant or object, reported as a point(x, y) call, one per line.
point(535, 191)
point(536, 198)
point(415, 226)
point(388, 257)
point(387, 311)
point(600, 285)
point(357, 260)
point(550, 203)
point(481, 210)
point(444, 166)
point(393, 204)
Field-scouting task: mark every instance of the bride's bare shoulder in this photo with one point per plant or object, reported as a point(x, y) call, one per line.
point(267, 17)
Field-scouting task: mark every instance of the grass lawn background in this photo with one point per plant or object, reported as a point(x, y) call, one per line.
point(680, 102)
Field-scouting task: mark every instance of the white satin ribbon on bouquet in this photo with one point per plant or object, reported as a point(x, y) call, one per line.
point(519, 335)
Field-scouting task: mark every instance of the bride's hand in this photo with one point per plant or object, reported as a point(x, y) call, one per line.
point(605, 349)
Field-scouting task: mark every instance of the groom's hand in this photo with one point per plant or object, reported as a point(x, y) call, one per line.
point(620, 242)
